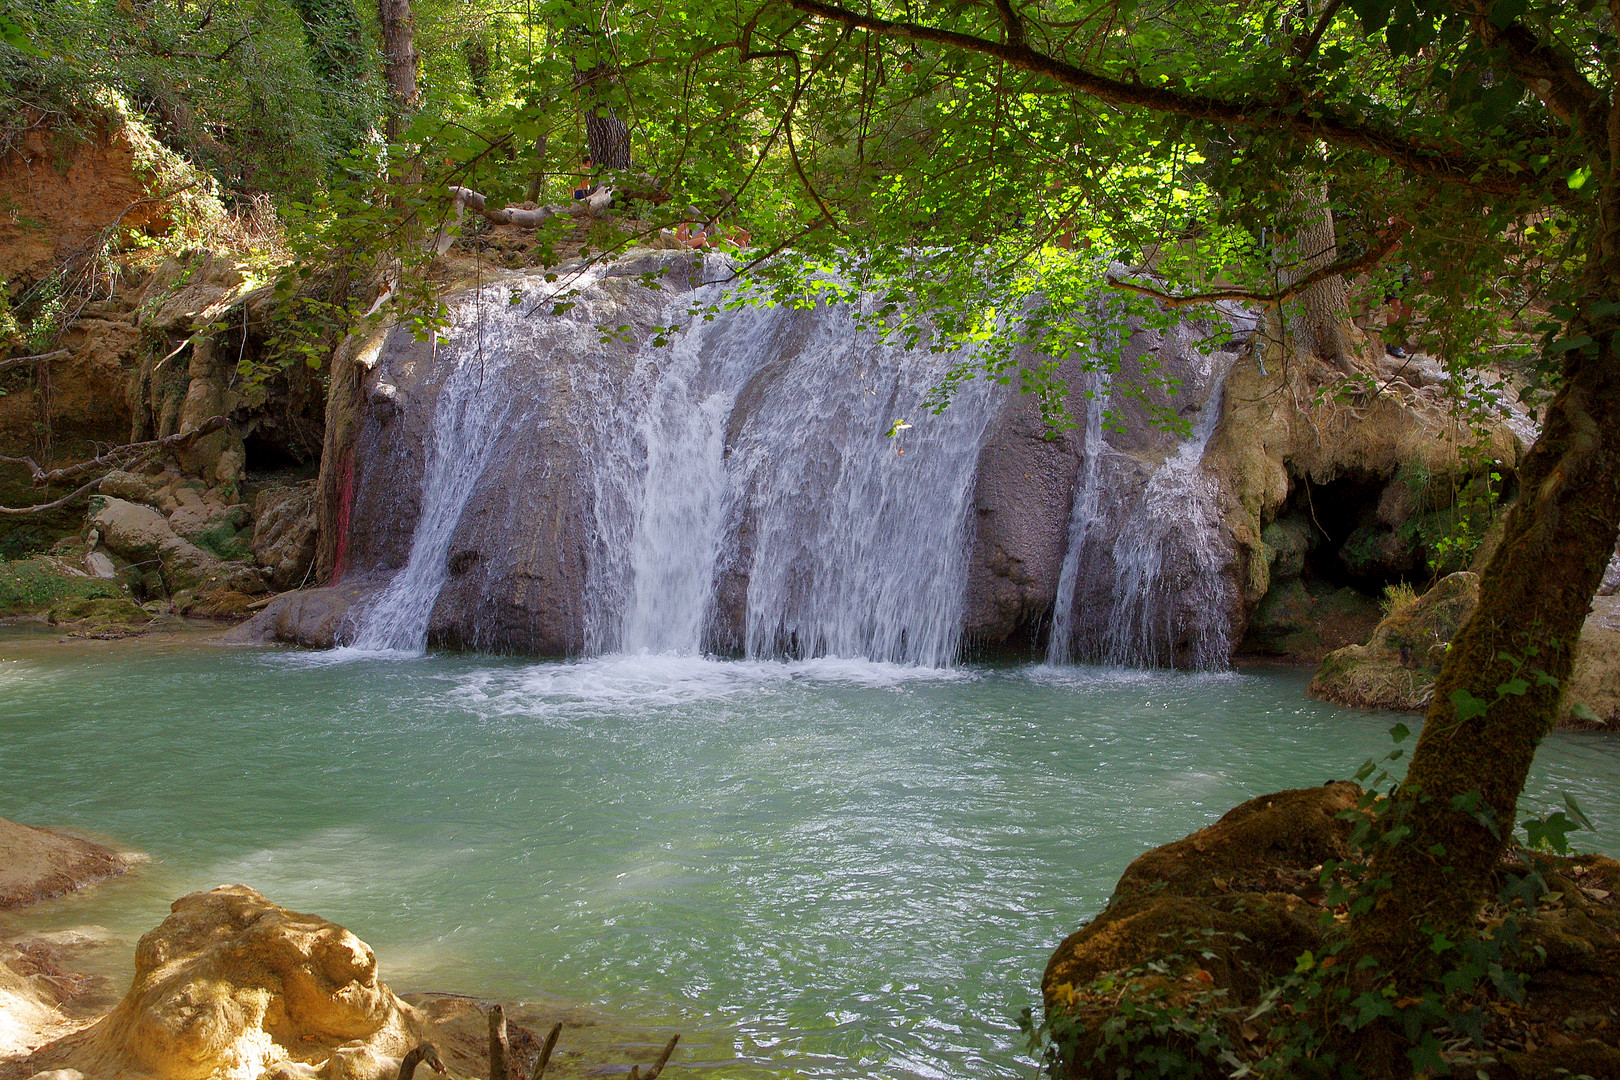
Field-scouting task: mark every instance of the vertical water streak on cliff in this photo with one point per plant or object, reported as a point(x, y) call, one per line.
point(860, 542)
point(1171, 592)
point(686, 488)
point(1086, 512)
point(472, 405)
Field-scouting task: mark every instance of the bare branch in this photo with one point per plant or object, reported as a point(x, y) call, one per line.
point(18, 361)
point(118, 455)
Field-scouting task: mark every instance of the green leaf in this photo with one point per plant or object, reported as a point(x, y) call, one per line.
point(1578, 178)
point(1467, 705)
point(1576, 812)
point(1400, 732)
point(1582, 711)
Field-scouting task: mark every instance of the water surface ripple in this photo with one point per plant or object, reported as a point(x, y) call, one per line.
point(820, 869)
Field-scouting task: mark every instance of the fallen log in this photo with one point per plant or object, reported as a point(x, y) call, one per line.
point(117, 456)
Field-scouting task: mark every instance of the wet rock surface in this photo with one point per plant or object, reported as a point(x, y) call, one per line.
point(37, 864)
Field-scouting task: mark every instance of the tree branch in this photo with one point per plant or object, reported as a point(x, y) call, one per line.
point(18, 361)
point(1308, 44)
point(1426, 159)
point(1366, 260)
point(1551, 75)
point(1010, 22)
point(116, 456)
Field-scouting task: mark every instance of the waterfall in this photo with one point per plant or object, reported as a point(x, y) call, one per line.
point(1085, 512)
point(1177, 517)
point(677, 537)
point(860, 540)
point(760, 452)
point(471, 408)
point(1154, 556)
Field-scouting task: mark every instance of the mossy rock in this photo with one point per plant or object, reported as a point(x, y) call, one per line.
point(1288, 540)
point(225, 541)
point(32, 585)
point(1397, 666)
point(1205, 929)
point(99, 613)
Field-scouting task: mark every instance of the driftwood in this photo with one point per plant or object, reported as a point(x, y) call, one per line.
point(424, 1052)
point(118, 455)
point(658, 1067)
point(544, 1059)
point(466, 198)
point(500, 1052)
point(18, 361)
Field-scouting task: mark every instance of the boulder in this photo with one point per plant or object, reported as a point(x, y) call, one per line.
point(37, 864)
point(314, 618)
point(140, 534)
point(1186, 962)
point(232, 985)
point(284, 533)
point(1593, 698)
point(1303, 622)
point(117, 617)
point(1396, 668)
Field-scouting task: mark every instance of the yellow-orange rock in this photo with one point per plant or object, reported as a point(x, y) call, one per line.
point(233, 986)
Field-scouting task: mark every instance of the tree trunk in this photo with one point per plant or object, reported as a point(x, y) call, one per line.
point(1513, 655)
point(1323, 309)
point(399, 61)
point(606, 136)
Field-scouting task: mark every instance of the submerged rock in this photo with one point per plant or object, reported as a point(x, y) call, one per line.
point(37, 864)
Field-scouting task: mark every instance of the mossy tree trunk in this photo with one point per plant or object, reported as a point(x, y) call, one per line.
point(1498, 691)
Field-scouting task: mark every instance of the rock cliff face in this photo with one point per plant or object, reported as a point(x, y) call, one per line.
point(564, 476)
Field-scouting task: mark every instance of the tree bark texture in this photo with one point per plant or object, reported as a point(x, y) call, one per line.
point(399, 61)
point(606, 136)
point(1513, 655)
point(1322, 310)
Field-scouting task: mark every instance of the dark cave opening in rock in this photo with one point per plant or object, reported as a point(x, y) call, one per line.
point(265, 456)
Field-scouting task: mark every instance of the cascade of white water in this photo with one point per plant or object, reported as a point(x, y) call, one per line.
point(470, 410)
point(1168, 558)
point(1085, 513)
point(856, 542)
point(1156, 559)
point(860, 540)
point(678, 530)
point(473, 405)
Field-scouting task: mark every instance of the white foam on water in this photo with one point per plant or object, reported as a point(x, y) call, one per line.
point(652, 680)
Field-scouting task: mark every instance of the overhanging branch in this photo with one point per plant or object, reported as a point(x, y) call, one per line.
point(1365, 261)
point(1448, 166)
